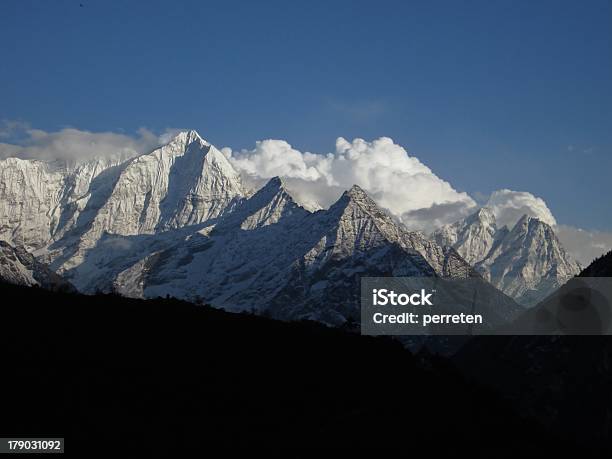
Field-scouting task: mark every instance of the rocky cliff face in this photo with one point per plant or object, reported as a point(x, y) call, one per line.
point(18, 266)
point(527, 262)
point(273, 256)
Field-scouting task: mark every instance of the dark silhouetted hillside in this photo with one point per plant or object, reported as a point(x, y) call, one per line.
point(600, 267)
point(564, 381)
point(160, 376)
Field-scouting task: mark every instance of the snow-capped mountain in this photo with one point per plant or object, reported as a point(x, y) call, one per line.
point(527, 262)
point(178, 221)
point(473, 237)
point(40, 201)
point(273, 256)
point(18, 266)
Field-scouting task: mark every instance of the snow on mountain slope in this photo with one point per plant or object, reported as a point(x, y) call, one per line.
point(40, 201)
point(472, 237)
point(18, 266)
point(179, 222)
point(275, 257)
point(184, 183)
point(30, 193)
point(527, 262)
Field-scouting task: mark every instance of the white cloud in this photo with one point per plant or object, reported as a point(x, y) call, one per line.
point(431, 218)
point(396, 180)
point(509, 206)
point(584, 245)
point(9, 127)
point(74, 144)
point(272, 158)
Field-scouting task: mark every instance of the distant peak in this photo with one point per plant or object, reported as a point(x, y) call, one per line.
point(273, 186)
point(356, 192)
point(484, 215)
point(525, 219)
point(485, 212)
point(188, 137)
point(528, 223)
point(357, 196)
point(275, 182)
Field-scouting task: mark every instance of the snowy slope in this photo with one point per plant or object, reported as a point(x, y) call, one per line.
point(178, 221)
point(40, 201)
point(184, 183)
point(527, 262)
point(275, 257)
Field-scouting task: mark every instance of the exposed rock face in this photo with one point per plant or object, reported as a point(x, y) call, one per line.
point(527, 262)
point(273, 256)
point(19, 267)
point(473, 237)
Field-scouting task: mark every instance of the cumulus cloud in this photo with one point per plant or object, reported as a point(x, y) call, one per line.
point(401, 183)
point(272, 158)
point(397, 181)
point(74, 144)
point(431, 218)
point(509, 206)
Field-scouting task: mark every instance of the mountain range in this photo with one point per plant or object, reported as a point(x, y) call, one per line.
point(526, 262)
point(178, 221)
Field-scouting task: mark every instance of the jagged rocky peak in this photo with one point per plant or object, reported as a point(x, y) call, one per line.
point(529, 262)
point(472, 237)
point(485, 215)
point(359, 224)
point(275, 184)
point(276, 188)
point(526, 262)
point(271, 204)
point(527, 224)
point(356, 197)
point(536, 233)
point(357, 192)
point(185, 138)
point(185, 182)
point(357, 210)
point(359, 196)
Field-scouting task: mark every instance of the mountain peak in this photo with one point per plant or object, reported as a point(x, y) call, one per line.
point(486, 213)
point(528, 262)
point(275, 183)
point(528, 222)
point(188, 137)
point(472, 237)
point(355, 196)
point(356, 192)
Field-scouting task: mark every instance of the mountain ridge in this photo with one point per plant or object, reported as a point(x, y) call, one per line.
point(178, 221)
point(528, 262)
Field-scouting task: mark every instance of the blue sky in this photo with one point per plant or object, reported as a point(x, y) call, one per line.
point(491, 94)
